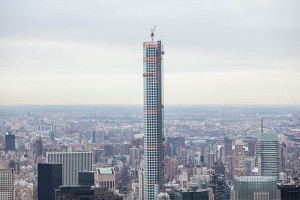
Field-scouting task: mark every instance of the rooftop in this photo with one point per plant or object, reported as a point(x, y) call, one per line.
point(105, 170)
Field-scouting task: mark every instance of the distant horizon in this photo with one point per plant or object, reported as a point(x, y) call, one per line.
point(267, 105)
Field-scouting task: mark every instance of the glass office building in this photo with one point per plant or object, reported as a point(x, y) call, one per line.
point(255, 187)
point(49, 179)
point(267, 150)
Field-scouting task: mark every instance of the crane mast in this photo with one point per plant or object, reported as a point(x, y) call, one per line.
point(152, 33)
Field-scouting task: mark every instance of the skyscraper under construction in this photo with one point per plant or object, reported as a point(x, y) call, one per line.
point(153, 119)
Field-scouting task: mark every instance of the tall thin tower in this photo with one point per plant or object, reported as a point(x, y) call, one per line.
point(153, 119)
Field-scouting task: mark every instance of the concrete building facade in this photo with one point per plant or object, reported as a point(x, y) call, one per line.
point(72, 163)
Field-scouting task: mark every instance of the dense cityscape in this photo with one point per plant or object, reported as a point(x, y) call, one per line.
point(88, 111)
point(200, 147)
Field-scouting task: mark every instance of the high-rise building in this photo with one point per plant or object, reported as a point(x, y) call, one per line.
point(94, 137)
point(153, 119)
point(255, 187)
point(289, 191)
point(238, 156)
point(7, 191)
point(105, 177)
point(10, 142)
point(228, 158)
point(218, 185)
point(228, 146)
point(15, 166)
point(49, 179)
point(211, 159)
point(267, 151)
point(141, 180)
point(72, 163)
point(282, 157)
point(252, 148)
point(134, 156)
point(52, 136)
point(108, 150)
point(86, 178)
point(38, 148)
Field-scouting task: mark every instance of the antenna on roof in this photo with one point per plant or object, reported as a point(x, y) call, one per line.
point(152, 33)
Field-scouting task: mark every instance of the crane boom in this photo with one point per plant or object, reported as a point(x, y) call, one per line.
point(152, 33)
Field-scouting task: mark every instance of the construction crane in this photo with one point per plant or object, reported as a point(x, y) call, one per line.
point(152, 33)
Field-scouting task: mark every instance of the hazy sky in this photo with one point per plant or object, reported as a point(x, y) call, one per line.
point(90, 51)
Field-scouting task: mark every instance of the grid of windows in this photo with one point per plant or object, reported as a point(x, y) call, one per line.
point(267, 150)
point(255, 187)
point(6, 184)
point(153, 119)
point(72, 162)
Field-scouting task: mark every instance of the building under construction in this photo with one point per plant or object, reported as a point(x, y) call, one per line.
point(153, 119)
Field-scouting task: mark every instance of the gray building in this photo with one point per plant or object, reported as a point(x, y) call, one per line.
point(7, 190)
point(72, 163)
point(267, 151)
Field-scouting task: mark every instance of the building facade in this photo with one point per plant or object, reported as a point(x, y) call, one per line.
point(218, 186)
point(255, 187)
point(86, 178)
point(85, 193)
point(10, 142)
point(72, 163)
point(38, 148)
point(7, 190)
point(185, 194)
point(267, 151)
point(289, 191)
point(134, 156)
point(153, 119)
point(105, 177)
point(282, 156)
point(238, 163)
point(49, 179)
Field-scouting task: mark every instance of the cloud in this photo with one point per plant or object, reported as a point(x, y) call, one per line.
point(53, 50)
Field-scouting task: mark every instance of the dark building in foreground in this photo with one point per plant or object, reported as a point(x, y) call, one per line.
point(86, 178)
point(49, 179)
point(184, 194)
point(289, 192)
point(218, 185)
point(10, 142)
point(85, 193)
point(170, 190)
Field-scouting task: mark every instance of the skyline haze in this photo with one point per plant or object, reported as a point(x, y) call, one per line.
point(217, 52)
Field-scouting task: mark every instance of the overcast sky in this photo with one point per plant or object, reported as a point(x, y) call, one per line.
point(90, 51)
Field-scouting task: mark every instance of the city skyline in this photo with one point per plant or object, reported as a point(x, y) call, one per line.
point(78, 53)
